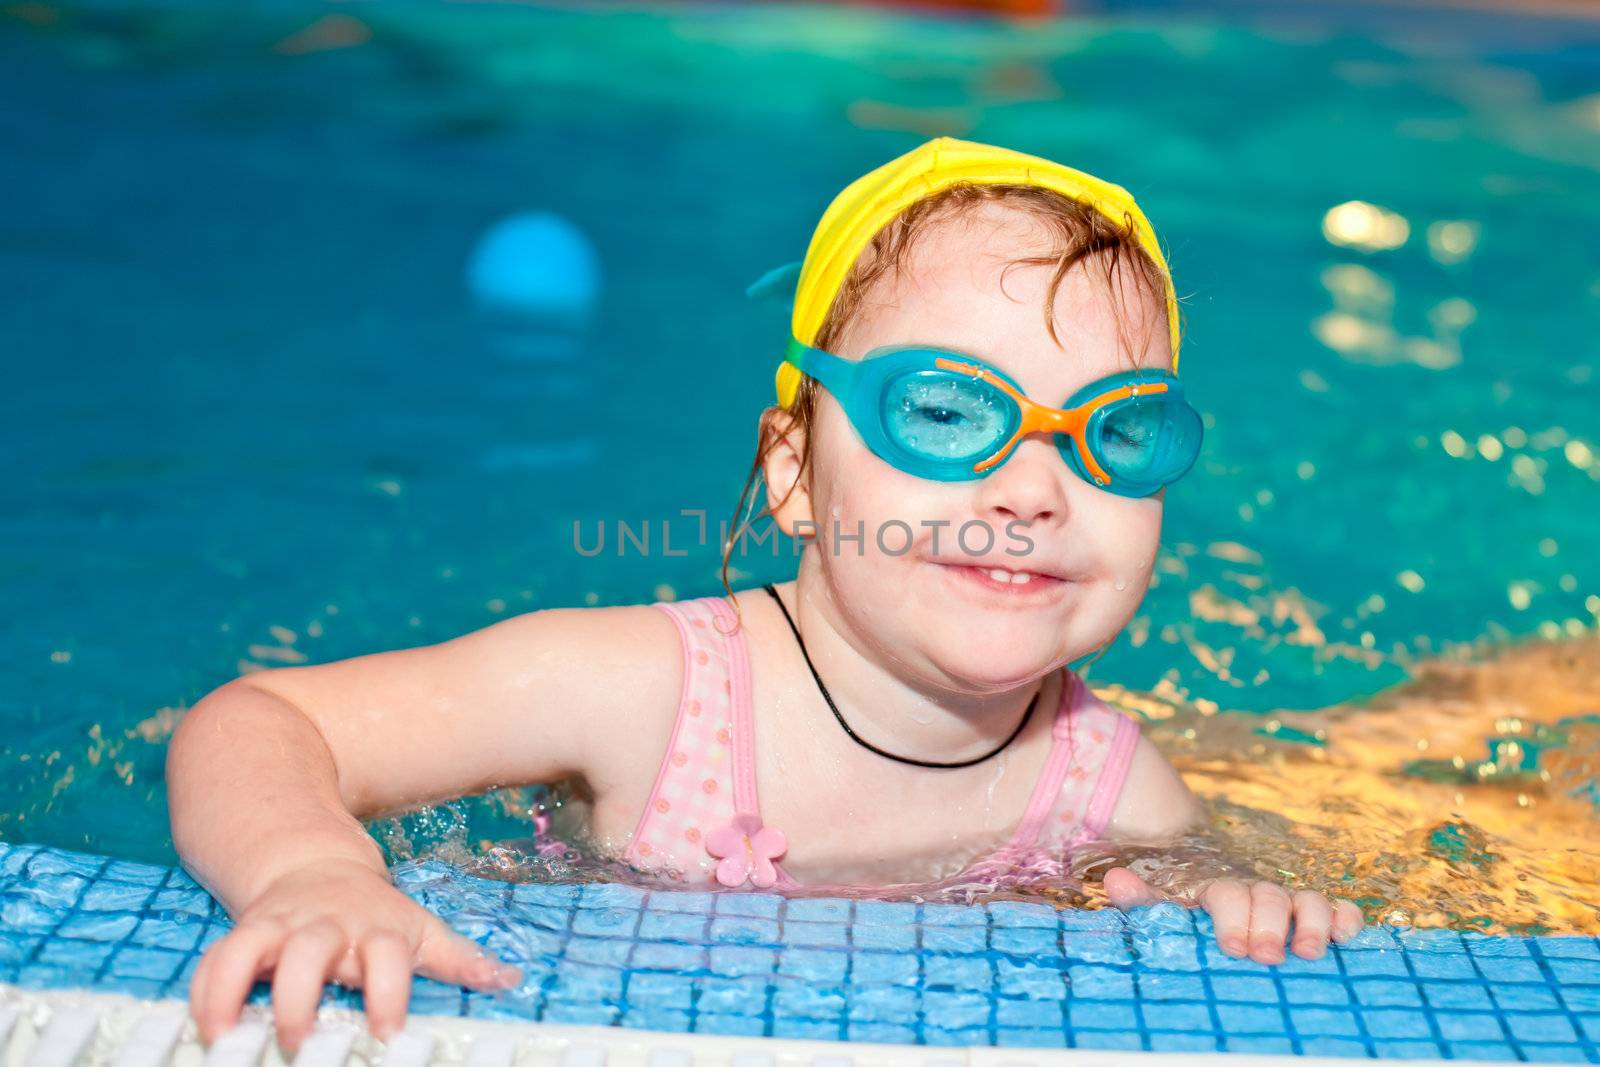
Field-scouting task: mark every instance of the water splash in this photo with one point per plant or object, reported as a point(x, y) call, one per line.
point(1334, 800)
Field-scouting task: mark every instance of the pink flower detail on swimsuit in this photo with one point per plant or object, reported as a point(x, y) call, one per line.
point(747, 849)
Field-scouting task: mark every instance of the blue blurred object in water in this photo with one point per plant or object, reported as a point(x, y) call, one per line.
point(536, 277)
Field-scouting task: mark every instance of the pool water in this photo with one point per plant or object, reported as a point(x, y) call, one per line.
point(260, 409)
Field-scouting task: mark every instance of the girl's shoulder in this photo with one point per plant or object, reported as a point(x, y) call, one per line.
point(632, 653)
point(623, 644)
point(1141, 796)
point(1108, 727)
point(636, 658)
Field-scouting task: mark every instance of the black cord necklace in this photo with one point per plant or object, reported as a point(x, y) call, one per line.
point(867, 744)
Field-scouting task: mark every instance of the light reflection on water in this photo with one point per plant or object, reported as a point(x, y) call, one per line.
point(1466, 797)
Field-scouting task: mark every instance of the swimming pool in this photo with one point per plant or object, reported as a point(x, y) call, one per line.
point(262, 410)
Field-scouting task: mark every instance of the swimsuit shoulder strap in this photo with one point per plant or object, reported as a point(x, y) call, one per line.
point(696, 788)
point(740, 704)
point(1084, 773)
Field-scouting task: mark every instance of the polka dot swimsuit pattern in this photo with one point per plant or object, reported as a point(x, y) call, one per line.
point(707, 781)
point(702, 823)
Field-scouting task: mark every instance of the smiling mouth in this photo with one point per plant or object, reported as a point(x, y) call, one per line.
point(1004, 581)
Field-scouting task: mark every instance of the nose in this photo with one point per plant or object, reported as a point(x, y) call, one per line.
point(1027, 487)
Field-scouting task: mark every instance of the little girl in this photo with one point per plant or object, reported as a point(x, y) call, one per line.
point(977, 418)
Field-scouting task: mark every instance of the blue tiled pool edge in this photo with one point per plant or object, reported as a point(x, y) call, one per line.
point(1003, 974)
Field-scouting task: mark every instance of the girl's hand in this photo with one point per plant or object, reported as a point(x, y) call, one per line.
point(1252, 918)
point(340, 921)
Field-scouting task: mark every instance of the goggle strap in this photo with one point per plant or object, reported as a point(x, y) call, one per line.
point(837, 374)
point(775, 282)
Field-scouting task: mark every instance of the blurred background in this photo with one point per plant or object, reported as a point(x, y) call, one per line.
point(326, 327)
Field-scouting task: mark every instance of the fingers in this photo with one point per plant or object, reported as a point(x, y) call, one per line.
point(1255, 919)
point(302, 961)
point(197, 985)
point(223, 979)
point(348, 972)
point(1127, 890)
point(386, 971)
point(447, 956)
point(1227, 901)
point(1252, 919)
point(1313, 921)
point(1270, 909)
point(1347, 921)
point(304, 966)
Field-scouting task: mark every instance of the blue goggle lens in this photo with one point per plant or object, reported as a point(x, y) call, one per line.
point(946, 417)
point(1147, 440)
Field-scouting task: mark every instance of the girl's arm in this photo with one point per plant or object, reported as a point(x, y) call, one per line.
point(270, 775)
point(280, 766)
point(1252, 917)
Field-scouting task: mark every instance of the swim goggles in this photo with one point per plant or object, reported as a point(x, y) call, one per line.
point(950, 417)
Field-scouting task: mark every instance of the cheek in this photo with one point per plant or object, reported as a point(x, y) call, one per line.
point(874, 524)
point(1130, 533)
point(859, 491)
point(884, 508)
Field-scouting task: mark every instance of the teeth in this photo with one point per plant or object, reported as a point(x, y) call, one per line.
point(1017, 578)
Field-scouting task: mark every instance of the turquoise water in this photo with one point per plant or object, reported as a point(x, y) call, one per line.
point(255, 416)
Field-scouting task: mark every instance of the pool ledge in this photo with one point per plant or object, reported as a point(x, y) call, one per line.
point(78, 1028)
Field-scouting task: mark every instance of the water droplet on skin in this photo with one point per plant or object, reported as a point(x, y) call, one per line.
point(988, 794)
point(1121, 584)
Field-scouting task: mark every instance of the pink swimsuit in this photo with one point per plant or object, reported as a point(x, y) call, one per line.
point(703, 819)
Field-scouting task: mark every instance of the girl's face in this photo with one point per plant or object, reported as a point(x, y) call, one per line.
point(1088, 553)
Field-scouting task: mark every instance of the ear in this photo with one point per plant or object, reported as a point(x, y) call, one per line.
point(788, 497)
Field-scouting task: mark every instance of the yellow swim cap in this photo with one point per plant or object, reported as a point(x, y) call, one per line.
point(872, 201)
